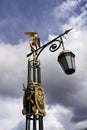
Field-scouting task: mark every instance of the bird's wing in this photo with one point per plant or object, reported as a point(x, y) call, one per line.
point(31, 34)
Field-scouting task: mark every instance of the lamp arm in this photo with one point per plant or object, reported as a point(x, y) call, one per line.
point(54, 46)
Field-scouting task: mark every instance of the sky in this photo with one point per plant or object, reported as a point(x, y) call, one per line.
point(66, 96)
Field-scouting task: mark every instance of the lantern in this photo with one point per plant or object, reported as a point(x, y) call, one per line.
point(66, 60)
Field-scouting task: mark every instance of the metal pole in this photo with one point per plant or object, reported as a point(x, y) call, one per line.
point(40, 122)
point(34, 72)
point(34, 79)
point(29, 73)
point(39, 81)
point(28, 107)
point(27, 123)
point(34, 122)
point(39, 74)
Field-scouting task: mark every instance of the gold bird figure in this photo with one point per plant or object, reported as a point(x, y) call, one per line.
point(35, 43)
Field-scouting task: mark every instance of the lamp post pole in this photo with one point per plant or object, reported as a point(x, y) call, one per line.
point(34, 99)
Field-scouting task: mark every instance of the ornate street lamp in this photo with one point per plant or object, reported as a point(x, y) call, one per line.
point(34, 99)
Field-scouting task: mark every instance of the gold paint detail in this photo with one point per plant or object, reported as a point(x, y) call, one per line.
point(34, 84)
point(24, 112)
point(36, 99)
point(40, 99)
point(35, 43)
point(65, 51)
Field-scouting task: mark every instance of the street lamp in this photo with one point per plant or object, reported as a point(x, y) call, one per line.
point(34, 99)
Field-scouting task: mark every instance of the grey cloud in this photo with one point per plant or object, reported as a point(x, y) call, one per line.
point(13, 69)
point(20, 126)
point(80, 114)
point(70, 91)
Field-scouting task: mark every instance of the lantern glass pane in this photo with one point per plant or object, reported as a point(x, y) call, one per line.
point(63, 63)
point(73, 62)
point(69, 62)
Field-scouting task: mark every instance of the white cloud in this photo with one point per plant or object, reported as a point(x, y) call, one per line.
point(79, 21)
point(13, 64)
point(66, 9)
point(81, 125)
point(56, 116)
point(10, 112)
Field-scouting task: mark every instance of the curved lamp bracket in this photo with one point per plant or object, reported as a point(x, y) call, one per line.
point(54, 46)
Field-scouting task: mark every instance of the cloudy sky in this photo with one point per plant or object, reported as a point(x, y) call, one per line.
point(66, 96)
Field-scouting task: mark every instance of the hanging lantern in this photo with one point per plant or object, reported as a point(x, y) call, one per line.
point(66, 60)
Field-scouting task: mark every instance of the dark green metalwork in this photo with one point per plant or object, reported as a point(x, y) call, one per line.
point(35, 68)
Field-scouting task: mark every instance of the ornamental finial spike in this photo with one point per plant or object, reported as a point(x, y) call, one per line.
point(35, 43)
point(67, 31)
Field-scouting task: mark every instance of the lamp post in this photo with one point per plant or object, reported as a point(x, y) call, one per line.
point(34, 99)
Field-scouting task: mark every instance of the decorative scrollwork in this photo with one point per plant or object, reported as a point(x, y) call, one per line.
point(54, 47)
